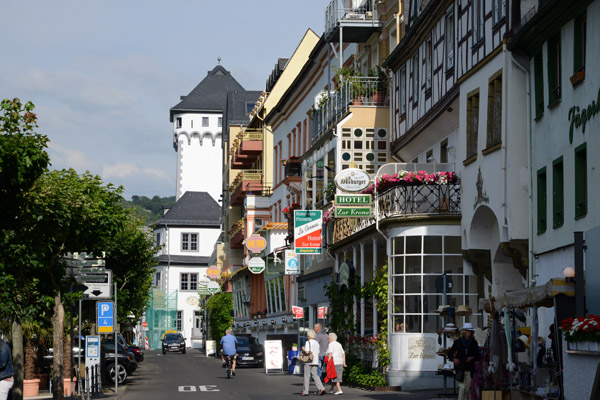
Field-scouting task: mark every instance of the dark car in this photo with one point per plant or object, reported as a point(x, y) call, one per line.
point(126, 365)
point(173, 342)
point(250, 351)
point(137, 352)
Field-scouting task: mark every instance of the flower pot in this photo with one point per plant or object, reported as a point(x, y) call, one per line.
point(582, 346)
point(379, 98)
point(67, 385)
point(594, 346)
point(43, 380)
point(31, 387)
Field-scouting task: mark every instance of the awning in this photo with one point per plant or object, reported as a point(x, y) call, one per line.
point(542, 296)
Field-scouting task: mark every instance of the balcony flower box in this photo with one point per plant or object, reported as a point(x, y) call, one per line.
point(582, 333)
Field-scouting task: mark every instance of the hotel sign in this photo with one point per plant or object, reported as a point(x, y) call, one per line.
point(352, 180)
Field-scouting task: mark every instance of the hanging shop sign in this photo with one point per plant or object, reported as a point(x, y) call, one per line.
point(256, 243)
point(308, 226)
point(213, 287)
point(352, 200)
point(352, 180)
point(292, 264)
point(353, 212)
point(213, 272)
point(298, 312)
point(321, 312)
point(256, 265)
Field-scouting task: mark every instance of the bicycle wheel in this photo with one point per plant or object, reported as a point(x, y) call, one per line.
point(228, 370)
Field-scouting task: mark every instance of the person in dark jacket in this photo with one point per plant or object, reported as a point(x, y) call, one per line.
point(6, 370)
point(464, 352)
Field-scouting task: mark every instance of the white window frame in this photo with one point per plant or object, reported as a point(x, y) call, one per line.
point(190, 280)
point(205, 122)
point(189, 241)
point(402, 84)
point(478, 21)
point(428, 63)
point(179, 320)
point(498, 10)
point(415, 78)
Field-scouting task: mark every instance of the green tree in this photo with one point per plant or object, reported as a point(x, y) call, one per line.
point(220, 314)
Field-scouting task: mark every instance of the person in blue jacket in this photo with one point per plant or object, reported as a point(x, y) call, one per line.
point(6, 370)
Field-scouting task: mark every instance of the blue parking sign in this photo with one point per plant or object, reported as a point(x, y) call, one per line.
point(105, 316)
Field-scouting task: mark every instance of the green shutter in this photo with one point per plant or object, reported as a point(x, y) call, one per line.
point(541, 201)
point(538, 68)
point(554, 70)
point(558, 190)
point(579, 43)
point(581, 181)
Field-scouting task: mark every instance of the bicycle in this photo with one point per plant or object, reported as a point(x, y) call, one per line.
point(228, 365)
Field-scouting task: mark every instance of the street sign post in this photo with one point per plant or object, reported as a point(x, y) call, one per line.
point(105, 316)
point(99, 284)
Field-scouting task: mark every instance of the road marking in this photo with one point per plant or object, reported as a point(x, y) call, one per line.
point(203, 388)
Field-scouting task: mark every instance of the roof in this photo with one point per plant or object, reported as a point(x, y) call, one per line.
point(189, 260)
point(209, 95)
point(235, 112)
point(193, 209)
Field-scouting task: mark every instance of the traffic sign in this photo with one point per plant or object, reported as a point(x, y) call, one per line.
point(99, 284)
point(256, 265)
point(105, 316)
point(145, 324)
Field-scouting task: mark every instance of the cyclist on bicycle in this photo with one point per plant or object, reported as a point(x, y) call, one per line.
point(228, 348)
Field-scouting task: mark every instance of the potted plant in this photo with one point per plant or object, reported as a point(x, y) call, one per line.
point(342, 75)
point(380, 90)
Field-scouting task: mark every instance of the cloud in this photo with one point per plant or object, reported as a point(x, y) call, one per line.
point(62, 158)
point(124, 170)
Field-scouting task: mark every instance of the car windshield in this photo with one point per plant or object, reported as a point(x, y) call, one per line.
point(172, 336)
point(246, 341)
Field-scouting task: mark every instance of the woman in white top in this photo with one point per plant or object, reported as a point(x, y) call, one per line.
point(336, 352)
point(312, 346)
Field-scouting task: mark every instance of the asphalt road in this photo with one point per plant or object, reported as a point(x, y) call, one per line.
point(189, 376)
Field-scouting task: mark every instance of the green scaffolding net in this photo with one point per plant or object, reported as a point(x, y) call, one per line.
point(160, 315)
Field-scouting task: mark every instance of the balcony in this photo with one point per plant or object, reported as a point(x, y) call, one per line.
point(237, 234)
point(401, 202)
point(360, 91)
point(358, 19)
point(246, 147)
point(246, 182)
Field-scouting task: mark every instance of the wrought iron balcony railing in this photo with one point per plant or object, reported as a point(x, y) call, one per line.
point(402, 201)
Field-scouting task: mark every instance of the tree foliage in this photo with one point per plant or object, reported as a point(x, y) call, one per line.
point(220, 314)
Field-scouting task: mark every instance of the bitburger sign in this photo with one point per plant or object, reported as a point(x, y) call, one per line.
point(352, 180)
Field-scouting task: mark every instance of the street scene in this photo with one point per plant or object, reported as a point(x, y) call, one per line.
point(373, 198)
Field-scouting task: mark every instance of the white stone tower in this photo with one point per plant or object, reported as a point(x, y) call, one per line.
point(197, 123)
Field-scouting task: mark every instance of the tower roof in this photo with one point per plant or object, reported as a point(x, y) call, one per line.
point(209, 95)
point(193, 209)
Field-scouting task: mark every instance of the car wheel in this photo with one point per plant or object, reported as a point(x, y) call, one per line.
point(121, 373)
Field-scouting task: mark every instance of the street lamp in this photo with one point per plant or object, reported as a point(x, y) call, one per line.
point(569, 274)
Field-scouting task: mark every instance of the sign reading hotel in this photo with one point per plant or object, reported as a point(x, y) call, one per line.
point(352, 180)
point(421, 348)
point(307, 231)
point(352, 206)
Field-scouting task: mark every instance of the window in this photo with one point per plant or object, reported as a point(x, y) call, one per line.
point(472, 123)
point(581, 181)
point(157, 279)
point(415, 79)
point(444, 151)
point(275, 293)
point(178, 121)
point(494, 117)
point(178, 320)
point(579, 43)
point(478, 22)
point(249, 107)
point(554, 70)
point(558, 196)
point(449, 40)
point(189, 242)
point(402, 91)
point(188, 282)
point(220, 122)
point(205, 121)
point(158, 242)
point(429, 157)
point(428, 51)
point(499, 8)
point(541, 201)
point(538, 69)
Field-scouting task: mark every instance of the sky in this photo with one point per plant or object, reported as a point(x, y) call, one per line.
point(103, 74)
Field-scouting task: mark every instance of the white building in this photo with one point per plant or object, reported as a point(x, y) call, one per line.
point(197, 133)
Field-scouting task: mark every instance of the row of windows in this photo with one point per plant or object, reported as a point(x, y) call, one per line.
point(554, 68)
point(205, 122)
point(558, 190)
point(189, 241)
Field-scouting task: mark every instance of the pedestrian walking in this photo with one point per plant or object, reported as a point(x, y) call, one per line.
point(464, 352)
point(321, 337)
point(336, 352)
point(310, 368)
point(6, 370)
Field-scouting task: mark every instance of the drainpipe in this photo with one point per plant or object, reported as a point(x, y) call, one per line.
point(532, 275)
point(505, 145)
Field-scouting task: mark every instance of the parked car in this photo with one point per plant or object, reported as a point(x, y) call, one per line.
point(250, 351)
point(173, 342)
point(126, 362)
point(137, 352)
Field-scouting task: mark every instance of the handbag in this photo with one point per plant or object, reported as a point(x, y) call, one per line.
point(460, 375)
point(305, 357)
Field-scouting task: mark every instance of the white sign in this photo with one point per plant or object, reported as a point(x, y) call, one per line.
point(352, 180)
point(213, 287)
point(256, 265)
point(99, 284)
point(92, 352)
point(292, 264)
point(273, 355)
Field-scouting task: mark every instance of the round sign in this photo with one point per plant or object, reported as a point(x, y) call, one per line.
point(144, 324)
point(256, 243)
point(213, 287)
point(256, 265)
point(213, 272)
point(352, 180)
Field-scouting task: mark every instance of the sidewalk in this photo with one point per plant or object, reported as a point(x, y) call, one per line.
point(109, 393)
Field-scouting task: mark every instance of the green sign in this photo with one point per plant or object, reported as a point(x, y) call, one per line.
point(256, 265)
point(352, 199)
point(352, 212)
